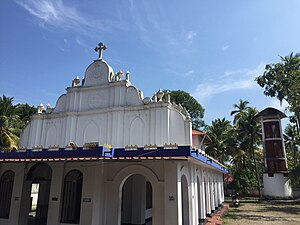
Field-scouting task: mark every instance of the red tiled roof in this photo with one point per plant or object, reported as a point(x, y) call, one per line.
point(202, 134)
point(195, 132)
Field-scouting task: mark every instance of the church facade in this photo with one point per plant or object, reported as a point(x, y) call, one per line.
point(108, 155)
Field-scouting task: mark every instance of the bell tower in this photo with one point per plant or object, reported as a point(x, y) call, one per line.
point(275, 178)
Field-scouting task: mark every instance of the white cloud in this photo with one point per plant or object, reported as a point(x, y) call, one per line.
point(233, 80)
point(54, 13)
point(79, 42)
point(234, 72)
point(191, 35)
point(224, 48)
point(188, 73)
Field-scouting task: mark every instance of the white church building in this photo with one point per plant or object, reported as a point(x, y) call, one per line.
point(107, 155)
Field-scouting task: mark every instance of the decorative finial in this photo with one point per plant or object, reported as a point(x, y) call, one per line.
point(75, 81)
point(127, 76)
point(40, 108)
point(160, 94)
point(99, 49)
point(48, 108)
point(119, 75)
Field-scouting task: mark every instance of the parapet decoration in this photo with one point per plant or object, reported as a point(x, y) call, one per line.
point(181, 109)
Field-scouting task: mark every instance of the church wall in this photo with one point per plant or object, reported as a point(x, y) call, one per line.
point(180, 130)
point(117, 127)
point(210, 199)
point(102, 185)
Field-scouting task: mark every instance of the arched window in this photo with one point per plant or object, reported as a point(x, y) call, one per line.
point(72, 197)
point(6, 188)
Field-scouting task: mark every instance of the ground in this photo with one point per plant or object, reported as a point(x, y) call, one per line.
point(265, 213)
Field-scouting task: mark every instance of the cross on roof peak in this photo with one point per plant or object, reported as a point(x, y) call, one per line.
point(99, 49)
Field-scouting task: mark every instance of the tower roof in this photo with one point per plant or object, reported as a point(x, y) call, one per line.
point(271, 112)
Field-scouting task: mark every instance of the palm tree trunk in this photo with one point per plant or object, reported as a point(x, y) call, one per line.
point(295, 149)
point(297, 115)
point(255, 165)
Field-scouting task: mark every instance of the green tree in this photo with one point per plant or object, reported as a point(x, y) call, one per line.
point(239, 110)
point(249, 136)
point(282, 80)
point(13, 119)
point(193, 107)
point(292, 149)
point(9, 124)
point(243, 179)
point(295, 176)
point(219, 133)
point(24, 111)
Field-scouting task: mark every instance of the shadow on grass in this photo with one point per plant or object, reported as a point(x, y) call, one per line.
point(263, 212)
point(242, 216)
point(281, 208)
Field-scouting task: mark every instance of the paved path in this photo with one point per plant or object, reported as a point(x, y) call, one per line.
point(268, 213)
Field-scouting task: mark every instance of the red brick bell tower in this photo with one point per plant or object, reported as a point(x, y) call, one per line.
point(276, 181)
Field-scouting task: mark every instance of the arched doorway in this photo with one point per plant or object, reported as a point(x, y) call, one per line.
point(137, 198)
point(185, 200)
point(35, 198)
point(6, 189)
point(71, 198)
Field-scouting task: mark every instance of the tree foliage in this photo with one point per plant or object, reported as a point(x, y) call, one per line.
point(282, 80)
point(239, 110)
point(193, 107)
point(243, 179)
point(218, 132)
point(291, 147)
point(239, 146)
point(13, 118)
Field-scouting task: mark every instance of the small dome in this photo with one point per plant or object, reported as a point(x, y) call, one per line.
point(98, 73)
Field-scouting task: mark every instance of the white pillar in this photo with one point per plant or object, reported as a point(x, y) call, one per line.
point(222, 189)
point(212, 194)
point(207, 195)
point(194, 199)
point(216, 192)
point(203, 197)
point(219, 188)
point(179, 197)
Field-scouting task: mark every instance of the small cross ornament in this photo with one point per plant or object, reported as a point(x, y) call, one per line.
point(99, 49)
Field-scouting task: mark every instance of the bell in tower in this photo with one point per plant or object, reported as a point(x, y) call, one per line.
point(275, 178)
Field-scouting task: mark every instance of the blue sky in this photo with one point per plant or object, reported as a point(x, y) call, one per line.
point(211, 49)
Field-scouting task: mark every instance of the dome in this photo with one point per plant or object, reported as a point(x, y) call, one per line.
point(98, 73)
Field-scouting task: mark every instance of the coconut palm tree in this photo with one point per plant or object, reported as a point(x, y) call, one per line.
point(240, 109)
point(9, 124)
point(249, 134)
point(218, 132)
